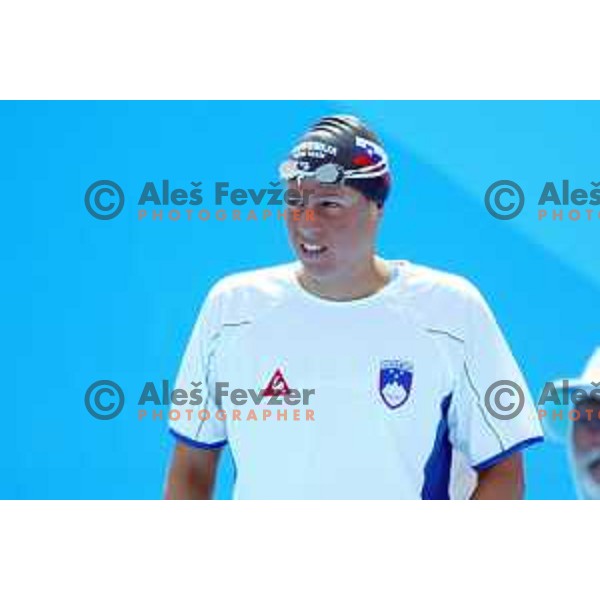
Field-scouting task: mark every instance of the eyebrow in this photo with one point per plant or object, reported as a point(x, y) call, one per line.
point(332, 196)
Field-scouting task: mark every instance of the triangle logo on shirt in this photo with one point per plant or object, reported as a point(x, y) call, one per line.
point(277, 386)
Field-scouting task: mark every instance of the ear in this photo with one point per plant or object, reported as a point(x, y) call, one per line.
point(375, 211)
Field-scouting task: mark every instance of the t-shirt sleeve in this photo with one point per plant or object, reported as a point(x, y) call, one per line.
point(193, 423)
point(492, 413)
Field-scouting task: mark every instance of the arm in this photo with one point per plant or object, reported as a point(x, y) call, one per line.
point(503, 481)
point(191, 474)
point(491, 433)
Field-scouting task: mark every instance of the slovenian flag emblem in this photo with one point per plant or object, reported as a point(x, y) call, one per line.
point(366, 153)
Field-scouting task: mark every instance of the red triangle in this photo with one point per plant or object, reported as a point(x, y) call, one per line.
point(277, 386)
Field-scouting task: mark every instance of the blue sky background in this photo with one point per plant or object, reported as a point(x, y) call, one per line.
point(86, 299)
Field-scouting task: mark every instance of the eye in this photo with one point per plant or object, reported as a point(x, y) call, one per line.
point(330, 204)
point(294, 202)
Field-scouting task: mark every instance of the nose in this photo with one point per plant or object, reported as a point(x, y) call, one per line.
point(588, 438)
point(308, 224)
point(594, 436)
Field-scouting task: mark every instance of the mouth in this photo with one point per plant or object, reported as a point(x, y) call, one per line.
point(312, 251)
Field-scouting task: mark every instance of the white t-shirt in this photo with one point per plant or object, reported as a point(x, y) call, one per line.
point(398, 382)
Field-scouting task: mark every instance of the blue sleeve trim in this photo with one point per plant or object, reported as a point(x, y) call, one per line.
point(490, 462)
point(196, 443)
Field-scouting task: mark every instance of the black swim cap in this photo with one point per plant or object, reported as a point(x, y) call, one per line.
point(347, 142)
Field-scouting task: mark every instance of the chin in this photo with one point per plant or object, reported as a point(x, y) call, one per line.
point(318, 270)
point(322, 267)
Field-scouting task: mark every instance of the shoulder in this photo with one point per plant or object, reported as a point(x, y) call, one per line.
point(266, 280)
point(444, 300)
point(437, 285)
point(244, 293)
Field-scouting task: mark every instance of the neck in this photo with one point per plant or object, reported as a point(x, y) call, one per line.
point(361, 282)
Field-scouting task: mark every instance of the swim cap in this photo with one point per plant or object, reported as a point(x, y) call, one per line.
point(341, 149)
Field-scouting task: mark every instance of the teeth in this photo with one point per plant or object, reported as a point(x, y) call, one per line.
point(312, 247)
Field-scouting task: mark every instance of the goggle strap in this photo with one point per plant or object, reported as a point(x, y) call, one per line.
point(367, 172)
